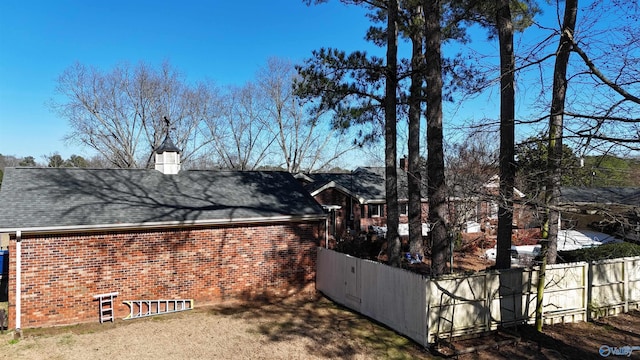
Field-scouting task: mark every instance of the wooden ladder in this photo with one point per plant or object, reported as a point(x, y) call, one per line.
point(106, 306)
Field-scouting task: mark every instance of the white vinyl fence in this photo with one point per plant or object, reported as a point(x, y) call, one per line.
point(425, 309)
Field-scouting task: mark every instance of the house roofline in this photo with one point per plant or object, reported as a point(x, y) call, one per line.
point(332, 184)
point(303, 177)
point(361, 200)
point(160, 224)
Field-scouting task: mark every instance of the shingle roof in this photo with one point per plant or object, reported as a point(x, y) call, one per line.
point(60, 197)
point(167, 145)
point(365, 183)
point(601, 195)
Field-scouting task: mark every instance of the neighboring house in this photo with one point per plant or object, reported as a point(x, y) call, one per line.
point(356, 201)
point(475, 207)
point(600, 195)
point(614, 210)
point(152, 234)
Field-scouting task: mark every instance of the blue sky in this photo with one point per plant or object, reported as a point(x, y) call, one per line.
point(225, 41)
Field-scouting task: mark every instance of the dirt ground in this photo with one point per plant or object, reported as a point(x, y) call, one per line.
point(585, 340)
point(303, 328)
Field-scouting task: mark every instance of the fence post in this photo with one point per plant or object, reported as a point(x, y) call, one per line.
point(626, 272)
point(487, 301)
point(586, 289)
point(427, 282)
point(589, 297)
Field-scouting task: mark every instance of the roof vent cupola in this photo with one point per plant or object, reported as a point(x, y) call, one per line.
point(167, 156)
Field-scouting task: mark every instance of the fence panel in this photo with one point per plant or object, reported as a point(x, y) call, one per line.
point(392, 296)
point(330, 274)
point(424, 309)
point(510, 295)
point(565, 293)
point(607, 287)
point(396, 298)
point(457, 305)
point(632, 266)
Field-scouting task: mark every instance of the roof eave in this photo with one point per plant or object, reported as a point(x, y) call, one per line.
point(162, 224)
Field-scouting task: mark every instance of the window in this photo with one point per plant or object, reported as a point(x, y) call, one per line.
point(376, 210)
point(403, 209)
point(493, 210)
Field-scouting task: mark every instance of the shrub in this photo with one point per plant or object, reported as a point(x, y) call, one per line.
point(602, 252)
point(363, 247)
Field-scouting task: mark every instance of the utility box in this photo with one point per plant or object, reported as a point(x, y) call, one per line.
point(4, 262)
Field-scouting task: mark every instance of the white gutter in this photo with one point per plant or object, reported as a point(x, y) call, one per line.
point(326, 233)
point(163, 224)
point(18, 279)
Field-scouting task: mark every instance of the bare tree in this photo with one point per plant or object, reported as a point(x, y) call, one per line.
point(604, 119)
point(241, 139)
point(264, 124)
point(303, 139)
point(120, 113)
point(554, 159)
point(471, 165)
point(594, 99)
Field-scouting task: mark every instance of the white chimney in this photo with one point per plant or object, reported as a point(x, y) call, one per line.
point(167, 158)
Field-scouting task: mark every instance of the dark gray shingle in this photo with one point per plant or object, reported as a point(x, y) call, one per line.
point(366, 183)
point(601, 195)
point(52, 197)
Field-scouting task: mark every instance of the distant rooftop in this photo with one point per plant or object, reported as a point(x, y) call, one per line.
point(601, 195)
point(364, 183)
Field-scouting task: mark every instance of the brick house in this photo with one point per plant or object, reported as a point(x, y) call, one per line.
point(479, 203)
point(152, 234)
point(357, 200)
point(613, 210)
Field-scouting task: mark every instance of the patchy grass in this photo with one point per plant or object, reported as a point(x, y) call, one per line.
point(66, 340)
point(306, 328)
point(309, 328)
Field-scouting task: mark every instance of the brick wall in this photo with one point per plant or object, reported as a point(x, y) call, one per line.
point(60, 274)
point(361, 220)
point(343, 221)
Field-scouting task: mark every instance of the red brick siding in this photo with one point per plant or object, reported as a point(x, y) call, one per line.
point(336, 197)
point(60, 274)
point(382, 220)
point(332, 196)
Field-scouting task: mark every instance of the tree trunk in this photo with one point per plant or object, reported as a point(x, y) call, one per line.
point(414, 174)
point(436, 187)
point(390, 136)
point(507, 134)
point(554, 160)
